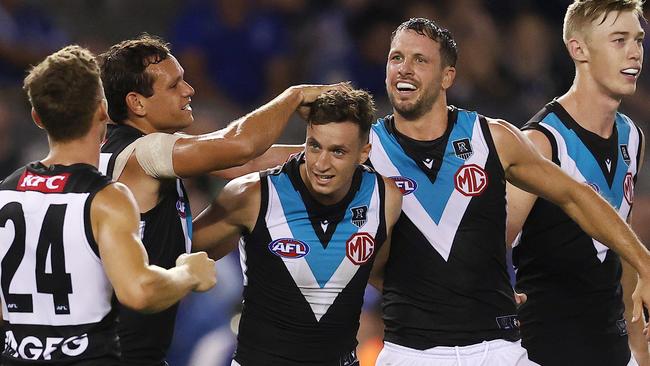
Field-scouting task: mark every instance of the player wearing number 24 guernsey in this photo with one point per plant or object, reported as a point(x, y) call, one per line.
point(69, 236)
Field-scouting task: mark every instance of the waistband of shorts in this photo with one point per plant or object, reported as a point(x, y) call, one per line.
point(453, 351)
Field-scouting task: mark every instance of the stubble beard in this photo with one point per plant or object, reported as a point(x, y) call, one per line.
point(417, 109)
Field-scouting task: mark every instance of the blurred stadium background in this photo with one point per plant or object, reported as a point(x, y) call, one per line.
point(239, 53)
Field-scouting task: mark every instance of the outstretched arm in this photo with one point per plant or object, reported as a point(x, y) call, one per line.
point(519, 201)
point(245, 138)
point(138, 285)
point(393, 209)
point(233, 213)
point(527, 169)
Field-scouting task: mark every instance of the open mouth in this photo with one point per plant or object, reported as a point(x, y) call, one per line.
point(405, 87)
point(323, 178)
point(631, 71)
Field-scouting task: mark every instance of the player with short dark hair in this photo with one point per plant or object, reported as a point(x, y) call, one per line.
point(311, 230)
point(149, 101)
point(69, 236)
point(572, 280)
point(446, 290)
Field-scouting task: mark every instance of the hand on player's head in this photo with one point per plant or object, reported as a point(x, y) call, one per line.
point(201, 267)
point(311, 92)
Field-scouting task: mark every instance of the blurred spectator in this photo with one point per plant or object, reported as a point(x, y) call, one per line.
point(232, 51)
point(27, 35)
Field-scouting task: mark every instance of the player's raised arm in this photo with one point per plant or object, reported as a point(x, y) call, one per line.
point(137, 284)
point(247, 137)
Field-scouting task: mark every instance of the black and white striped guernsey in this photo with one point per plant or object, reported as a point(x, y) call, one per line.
point(57, 300)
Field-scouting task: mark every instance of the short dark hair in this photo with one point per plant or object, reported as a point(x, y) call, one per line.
point(123, 69)
point(427, 27)
point(64, 90)
point(344, 106)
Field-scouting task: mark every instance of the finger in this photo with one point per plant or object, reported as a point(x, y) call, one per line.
point(638, 306)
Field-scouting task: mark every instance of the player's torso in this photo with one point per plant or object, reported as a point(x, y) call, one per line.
point(306, 267)
point(446, 281)
point(165, 231)
point(573, 281)
point(55, 294)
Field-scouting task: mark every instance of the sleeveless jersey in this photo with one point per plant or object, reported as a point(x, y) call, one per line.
point(166, 233)
point(305, 268)
point(57, 300)
point(573, 281)
point(446, 281)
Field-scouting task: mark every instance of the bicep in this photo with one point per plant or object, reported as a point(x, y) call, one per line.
point(115, 219)
point(234, 212)
point(526, 168)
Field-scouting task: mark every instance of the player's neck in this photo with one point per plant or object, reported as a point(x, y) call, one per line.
point(140, 124)
point(590, 107)
point(79, 151)
point(427, 127)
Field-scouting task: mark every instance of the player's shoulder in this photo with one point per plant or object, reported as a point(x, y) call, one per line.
point(114, 198)
point(243, 187)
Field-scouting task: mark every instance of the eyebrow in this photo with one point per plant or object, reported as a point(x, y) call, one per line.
point(623, 33)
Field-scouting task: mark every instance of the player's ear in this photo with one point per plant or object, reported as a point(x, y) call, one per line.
point(365, 153)
point(37, 119)
point(578, 50)
point(134, 104)
point(448, 76)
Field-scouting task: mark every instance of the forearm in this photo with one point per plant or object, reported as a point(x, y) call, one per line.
point(243, 140)
point(159, 288)
point(263, 127)
point(599, 220)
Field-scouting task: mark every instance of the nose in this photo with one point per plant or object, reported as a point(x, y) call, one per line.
point(323, 161)
point(188, 91)
point(405, 68)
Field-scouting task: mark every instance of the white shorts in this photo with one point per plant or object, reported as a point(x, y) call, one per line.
point(497, 352)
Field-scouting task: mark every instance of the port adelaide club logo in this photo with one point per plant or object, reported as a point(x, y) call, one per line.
point(359, 216)
point(289, 248)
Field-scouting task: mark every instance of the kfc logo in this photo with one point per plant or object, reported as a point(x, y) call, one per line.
point(42, 183)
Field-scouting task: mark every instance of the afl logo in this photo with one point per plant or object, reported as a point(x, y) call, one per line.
point(406, 185)
point(471, 180)
point(289, 248)
point(628, 188)
point(359, 248)
point(180, 207)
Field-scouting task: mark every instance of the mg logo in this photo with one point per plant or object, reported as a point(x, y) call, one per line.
point(628, 188)
point(471, 180)
point(359, 248)
point(406, 185)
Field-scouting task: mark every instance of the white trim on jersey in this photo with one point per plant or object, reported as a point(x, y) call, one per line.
point(319, 299)
point(440, 236)
point(569, 166)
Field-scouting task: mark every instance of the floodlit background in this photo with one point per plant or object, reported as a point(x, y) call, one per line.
point(238, 54)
